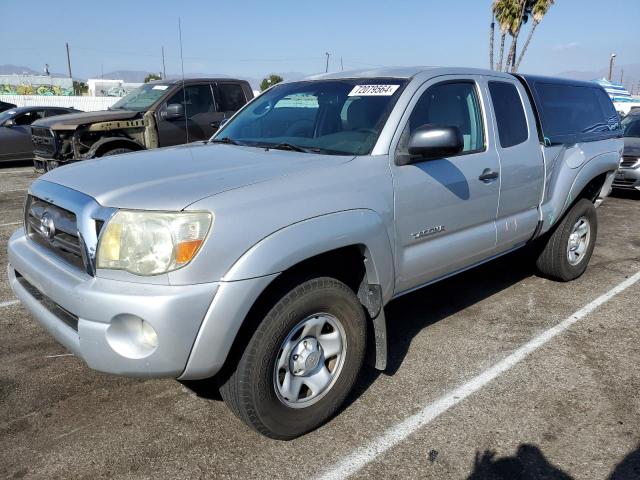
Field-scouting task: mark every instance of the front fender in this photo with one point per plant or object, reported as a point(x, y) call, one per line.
point(113, 142)
point(300, 241)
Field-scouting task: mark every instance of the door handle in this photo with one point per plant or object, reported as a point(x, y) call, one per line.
point(488, 175)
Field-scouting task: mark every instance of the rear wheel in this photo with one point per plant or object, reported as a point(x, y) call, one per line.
point(567, 250)
point(301, 362)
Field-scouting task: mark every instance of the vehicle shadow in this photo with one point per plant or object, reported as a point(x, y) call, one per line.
point(529, 463)
point(628, 468)
point(626, 194)
point(407, 316)
point(15, 164)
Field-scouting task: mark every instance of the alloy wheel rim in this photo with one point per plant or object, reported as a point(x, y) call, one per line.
point(309, 360)
point(578, 242)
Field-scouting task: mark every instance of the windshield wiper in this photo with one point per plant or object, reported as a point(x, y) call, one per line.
point(289, 146)
point(226, 140)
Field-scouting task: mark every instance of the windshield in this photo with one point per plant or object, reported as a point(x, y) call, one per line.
point(631, 126)
point(4, 116)
point(140, 99)
point(335, 117)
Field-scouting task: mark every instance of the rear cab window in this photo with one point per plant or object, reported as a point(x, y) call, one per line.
point(509, 113)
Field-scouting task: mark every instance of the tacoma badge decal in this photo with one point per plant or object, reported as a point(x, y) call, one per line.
point(428, 231)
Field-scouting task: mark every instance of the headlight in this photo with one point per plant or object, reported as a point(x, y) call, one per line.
point(150, 243)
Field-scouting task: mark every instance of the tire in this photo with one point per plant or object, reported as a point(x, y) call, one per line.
point(558, 259)
point(256, 391)
point(116, 151)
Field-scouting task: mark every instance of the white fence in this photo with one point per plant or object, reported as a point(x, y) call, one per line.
point(86, 104)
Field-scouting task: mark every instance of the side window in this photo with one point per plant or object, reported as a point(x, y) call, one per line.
point(611, 116)
point(52, 112)
point(29, 117)
point(574, 111)
point(510, 116)
point(230, 97)
point(452, 105)
point(195, 98)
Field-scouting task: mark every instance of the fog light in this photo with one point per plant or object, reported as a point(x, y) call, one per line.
point(131, 336)
point(149, 335)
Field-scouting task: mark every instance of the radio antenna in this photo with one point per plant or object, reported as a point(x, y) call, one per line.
point(184, 92)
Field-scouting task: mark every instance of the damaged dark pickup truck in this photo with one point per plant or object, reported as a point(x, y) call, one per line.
point(157, 114)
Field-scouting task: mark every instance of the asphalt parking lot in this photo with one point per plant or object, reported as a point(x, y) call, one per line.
point(570, 408)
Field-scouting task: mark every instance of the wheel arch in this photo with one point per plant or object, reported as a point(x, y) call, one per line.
point(305, 240)
point(105, 144)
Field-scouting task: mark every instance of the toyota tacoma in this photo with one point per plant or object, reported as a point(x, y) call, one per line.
point(265, 257)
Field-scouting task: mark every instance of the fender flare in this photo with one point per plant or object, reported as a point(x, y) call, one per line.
point(305, 239)
point(118, 142)
point(569, 184)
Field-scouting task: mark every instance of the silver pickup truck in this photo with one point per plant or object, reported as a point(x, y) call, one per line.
point(265, 257)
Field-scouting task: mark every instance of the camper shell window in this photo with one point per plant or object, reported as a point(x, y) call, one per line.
point(572, 111)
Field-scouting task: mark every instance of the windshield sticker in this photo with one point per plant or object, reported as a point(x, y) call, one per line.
point(373, 90)
point(160, 87)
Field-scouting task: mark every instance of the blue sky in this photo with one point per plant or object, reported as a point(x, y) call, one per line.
point(253, 38)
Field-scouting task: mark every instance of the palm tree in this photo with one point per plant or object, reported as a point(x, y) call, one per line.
point(492, 29)
point(538, 10)
point(514, 31)
point(503, 11)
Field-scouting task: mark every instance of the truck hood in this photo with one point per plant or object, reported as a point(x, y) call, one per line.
point(173, 178)
point(631, 147)
point(71, 121)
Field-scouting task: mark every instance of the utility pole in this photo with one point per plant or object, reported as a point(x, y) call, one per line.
point(621, 74)
point(69, 67)
point(68, 61)
point(164, 71)
point(326, 68)
point(341, 65)
point(611, 59)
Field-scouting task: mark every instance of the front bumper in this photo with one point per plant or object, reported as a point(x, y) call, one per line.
point(79, 310)
point(627, 178)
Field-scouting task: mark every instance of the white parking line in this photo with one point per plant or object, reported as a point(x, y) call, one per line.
point(14, 190)
point(9, 303)
point(9, 224)
point(369, 452)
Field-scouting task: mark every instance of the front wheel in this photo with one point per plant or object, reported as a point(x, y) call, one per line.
point(567, 250)
point(301, 362)
point(116, 151)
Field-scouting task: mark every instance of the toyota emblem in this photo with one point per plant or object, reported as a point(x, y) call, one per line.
point(47, 227)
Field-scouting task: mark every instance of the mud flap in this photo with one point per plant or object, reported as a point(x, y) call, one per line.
point(370, 297)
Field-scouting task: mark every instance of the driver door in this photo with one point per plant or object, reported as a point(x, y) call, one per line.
point(445, 214)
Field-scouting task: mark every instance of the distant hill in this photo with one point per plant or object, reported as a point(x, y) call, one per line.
point(9, 69)
point(138, 76)
point(631, 73)
point(129, 76)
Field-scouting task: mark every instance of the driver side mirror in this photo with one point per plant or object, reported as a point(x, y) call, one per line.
point(430, 142)
point(9, 123)
point(174, 111)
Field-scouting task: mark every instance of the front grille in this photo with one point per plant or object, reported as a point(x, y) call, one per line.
point(55, 229)
point(66, 316)
point(624, 182)
point(628, 162)
point(44, 142)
